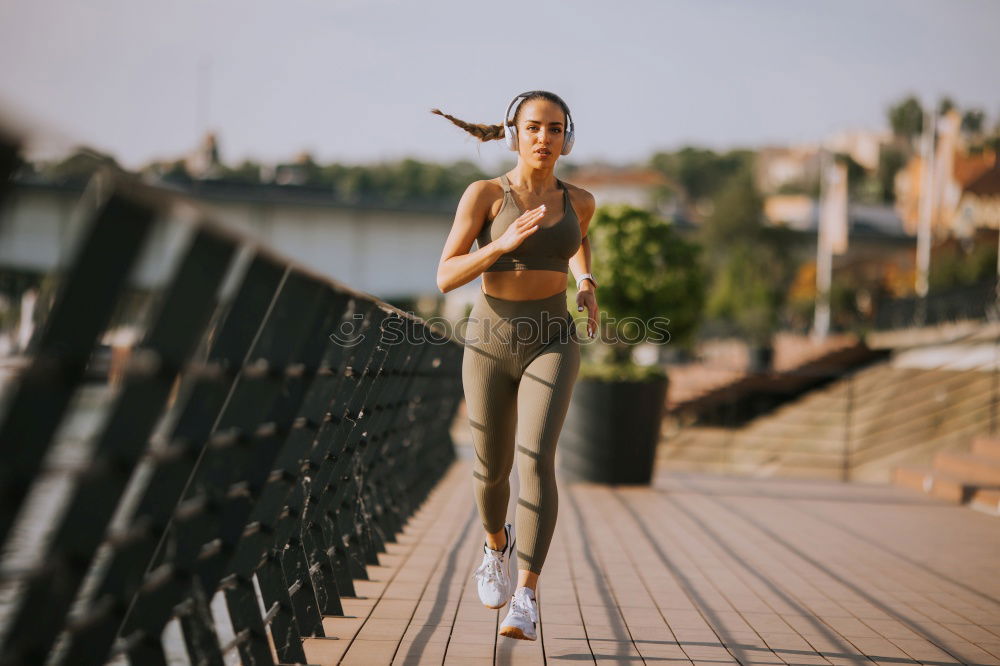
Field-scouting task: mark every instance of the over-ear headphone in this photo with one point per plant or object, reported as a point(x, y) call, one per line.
point(510, 131)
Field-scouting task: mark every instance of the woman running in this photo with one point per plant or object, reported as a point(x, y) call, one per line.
point(522, 352)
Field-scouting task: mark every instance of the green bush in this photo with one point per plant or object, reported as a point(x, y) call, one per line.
point(620, 372)
point(646, 270)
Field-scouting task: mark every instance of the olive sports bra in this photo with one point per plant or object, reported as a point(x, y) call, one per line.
point(547, 248)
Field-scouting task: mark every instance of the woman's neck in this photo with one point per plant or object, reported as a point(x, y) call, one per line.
point(534, 181)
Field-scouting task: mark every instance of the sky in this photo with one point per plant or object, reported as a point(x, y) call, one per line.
point(353, 81)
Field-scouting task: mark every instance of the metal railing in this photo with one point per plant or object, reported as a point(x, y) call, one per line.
point(855, 422)
point(969, 302)
point(248, 453)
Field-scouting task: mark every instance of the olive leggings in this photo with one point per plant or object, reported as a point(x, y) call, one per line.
point(520, 362)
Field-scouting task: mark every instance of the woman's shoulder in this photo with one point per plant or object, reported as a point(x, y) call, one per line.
point(582, 199)
point(487, 195)
point(487, 187)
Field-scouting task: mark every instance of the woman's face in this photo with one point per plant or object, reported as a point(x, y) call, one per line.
point(540, 132)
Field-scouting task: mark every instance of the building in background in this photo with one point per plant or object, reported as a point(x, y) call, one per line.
point(979, 205)
point(643, 188)
point(863, 146)
point(204, 161)
point(796, 211)
point(955, 169)
point(786, 167)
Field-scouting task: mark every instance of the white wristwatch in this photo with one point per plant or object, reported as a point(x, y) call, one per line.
point(583, 277)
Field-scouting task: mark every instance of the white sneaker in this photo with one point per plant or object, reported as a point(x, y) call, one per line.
point(522, 618)
point(494, 576)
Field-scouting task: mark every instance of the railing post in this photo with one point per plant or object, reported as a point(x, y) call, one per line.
point(846, 468)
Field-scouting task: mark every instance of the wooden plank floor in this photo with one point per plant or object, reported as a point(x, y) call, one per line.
point(695, 569)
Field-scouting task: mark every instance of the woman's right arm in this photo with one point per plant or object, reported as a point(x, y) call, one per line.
point(458, 266)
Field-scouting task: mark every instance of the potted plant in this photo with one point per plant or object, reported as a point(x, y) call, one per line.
point(651, 290)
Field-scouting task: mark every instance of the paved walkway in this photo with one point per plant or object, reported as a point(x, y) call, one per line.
point(695, 569)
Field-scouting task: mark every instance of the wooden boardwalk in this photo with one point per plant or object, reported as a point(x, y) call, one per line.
point(696, 569)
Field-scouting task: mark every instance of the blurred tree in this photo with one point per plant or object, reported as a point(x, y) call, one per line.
point(405, 181)
point(750, 265)
point(332, 173)
point(355, 183)
point(247, 172)
point(746, 290)
point(890, 160)
point(736, 215)
point(701, 172)
point(857, 176)
point(313, 172)
point(907, 118)
point(993, 142)
point(401, 182)
point(973, 122)
point(945, 105)
point(177, 172)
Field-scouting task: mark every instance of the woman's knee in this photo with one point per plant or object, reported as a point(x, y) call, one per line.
point(493, 472)
point(538, 467)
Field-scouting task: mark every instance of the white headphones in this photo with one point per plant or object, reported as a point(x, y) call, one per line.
point(510, 131)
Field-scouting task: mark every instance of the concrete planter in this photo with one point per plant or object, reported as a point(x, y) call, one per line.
point(612, 430)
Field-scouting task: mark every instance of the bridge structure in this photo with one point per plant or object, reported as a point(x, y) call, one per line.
point(278, 472)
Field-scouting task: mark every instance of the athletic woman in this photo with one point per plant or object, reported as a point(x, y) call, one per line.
point(522, 351)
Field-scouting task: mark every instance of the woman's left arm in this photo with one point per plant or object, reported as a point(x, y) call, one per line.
point(586, 296)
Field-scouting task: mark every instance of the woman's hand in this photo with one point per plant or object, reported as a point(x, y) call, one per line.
point(586, 298)
point(519, 229)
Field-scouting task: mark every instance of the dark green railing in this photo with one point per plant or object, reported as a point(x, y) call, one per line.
point(250, 449)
